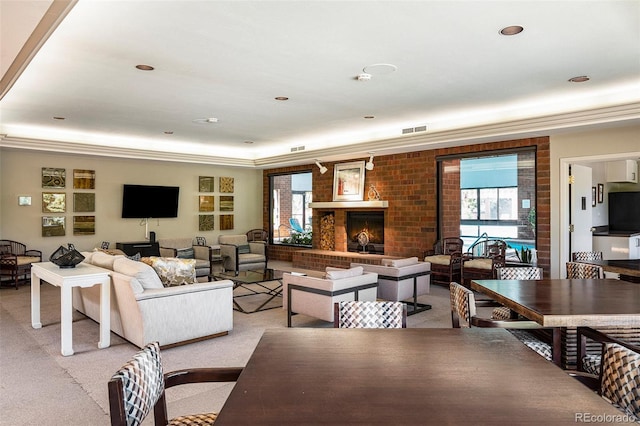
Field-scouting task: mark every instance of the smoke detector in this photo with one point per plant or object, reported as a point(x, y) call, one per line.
point(364, 77)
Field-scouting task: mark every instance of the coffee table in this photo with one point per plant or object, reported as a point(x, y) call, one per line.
point(254, 283)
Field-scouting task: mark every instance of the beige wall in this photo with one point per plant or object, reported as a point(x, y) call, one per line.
point(21, 171)
point(583, 148)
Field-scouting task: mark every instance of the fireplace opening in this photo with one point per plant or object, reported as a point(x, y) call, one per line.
point(372, 224)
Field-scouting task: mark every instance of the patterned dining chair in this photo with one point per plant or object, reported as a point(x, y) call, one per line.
point(620, 383)
point(585, 256)
point(370, 314)
point(514, 273)
point(139, 386)
point(463, 315)
point(577, 270)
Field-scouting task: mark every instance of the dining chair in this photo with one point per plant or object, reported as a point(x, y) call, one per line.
point(139, 386)
point(618, 379)
point(590, 341)
point(514, 273)
point(584, 256)
point(463, 315)
point(576, 270)
point(369, 314)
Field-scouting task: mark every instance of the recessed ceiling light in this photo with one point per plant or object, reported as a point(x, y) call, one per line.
point(145, 67)
point(511, 30)
point(248, 142)
point(168, 132)
point(210, 120)
point(369, 117)
point(281, 98)
point(579, 79)
point(58, 118)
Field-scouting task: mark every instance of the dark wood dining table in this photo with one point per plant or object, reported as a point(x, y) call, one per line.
point(410, 376)
point(561, 303)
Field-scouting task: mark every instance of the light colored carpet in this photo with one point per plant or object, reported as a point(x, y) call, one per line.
point(40, 386)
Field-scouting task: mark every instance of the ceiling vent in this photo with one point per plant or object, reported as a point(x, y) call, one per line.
point(414, 129)
point(297, 148)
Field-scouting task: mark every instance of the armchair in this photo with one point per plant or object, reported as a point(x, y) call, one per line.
point(185, 248)
point(482, 260)
point(446, 260)
point(16, 260)
point(239, 254)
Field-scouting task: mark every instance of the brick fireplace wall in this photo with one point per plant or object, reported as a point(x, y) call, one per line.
point(409, 183)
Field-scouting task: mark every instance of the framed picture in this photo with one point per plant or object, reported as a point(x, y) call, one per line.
point(24, 200)
point(593, 196)
point(84, 202)
point(226, 222)
point(84, 225)
point(600, 193)
point(205, 222)
point(205, 183)
point(348, 181)
point(53, 226)
point(226, 203)
point(206, 203)
point(54, 202)
point(84, 179)
point(226, 184)
point(53, 178)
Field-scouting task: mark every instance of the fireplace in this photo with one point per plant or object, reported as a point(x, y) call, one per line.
point(370, 222)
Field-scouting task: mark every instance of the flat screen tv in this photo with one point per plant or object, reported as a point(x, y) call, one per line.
point(148, 201)
point(624, 211)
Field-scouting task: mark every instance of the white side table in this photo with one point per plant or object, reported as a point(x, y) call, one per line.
point(83, 275)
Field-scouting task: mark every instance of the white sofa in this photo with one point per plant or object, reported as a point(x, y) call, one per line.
point(144, 311)
point(401, 280)
point(315, 296)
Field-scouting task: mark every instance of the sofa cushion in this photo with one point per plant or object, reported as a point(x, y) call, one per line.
point(484, 263)
point(173, 271)
point(144, 274)
point(399, 263)
point(185, 253)
point(439, 259)
point(104, 260)
point(338, 273)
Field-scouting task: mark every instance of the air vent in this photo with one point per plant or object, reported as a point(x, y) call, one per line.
point(414, 130)
point(297, 148)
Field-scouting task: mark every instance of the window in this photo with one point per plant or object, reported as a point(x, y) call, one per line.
point(494, 194)
point(289, 207)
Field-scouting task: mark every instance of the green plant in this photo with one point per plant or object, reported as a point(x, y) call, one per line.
point(299, 238)
point(531, 218)
point(524, 255)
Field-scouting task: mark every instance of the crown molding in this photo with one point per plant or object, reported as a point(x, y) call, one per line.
point(626, 114)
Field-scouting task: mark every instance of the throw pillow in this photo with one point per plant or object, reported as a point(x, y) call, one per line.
point(338, 274)
point(185, 253)
point(398, 263)
point(142, 271)
point(244, 249)
point(173, 271)
point(135, 257)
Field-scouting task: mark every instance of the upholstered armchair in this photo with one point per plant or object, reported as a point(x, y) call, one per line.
point(482, 260)
point(239, 254)
point(445, 260)
point(16, 260)
point(184, 248)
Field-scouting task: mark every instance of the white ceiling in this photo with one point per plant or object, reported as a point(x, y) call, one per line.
point(229, 59)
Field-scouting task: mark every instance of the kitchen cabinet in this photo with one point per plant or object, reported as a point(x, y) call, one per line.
point(617, 247)
point(622, 171)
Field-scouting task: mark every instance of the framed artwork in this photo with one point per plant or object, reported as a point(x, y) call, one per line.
point(54, 202)
point(205, 183)
point(53, 178)
point(84, 225)
point(205, 222)
point(226, 184)
point(206, 203)
point(226, 203)
point(24, 200)
point(593, 196)
point(84, 202)
point(84, 179)
point(600, 193)
point(53, 226)
point(226, 222)
point(348, 181)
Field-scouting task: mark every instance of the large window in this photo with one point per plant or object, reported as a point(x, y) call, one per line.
point(494, 194)
point(290, 212)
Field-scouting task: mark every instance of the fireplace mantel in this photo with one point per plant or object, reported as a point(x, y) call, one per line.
point(349, 204)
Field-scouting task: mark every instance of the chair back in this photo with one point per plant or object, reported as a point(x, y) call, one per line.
point(448, 245)
point(516, 273)
point(577, 270)
point(200, 241)
point(620, 381)
point(463, 305)
point(136, 387)
point(295, 224)
point(257, 235)
point(585, 256)
point(369, 314)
